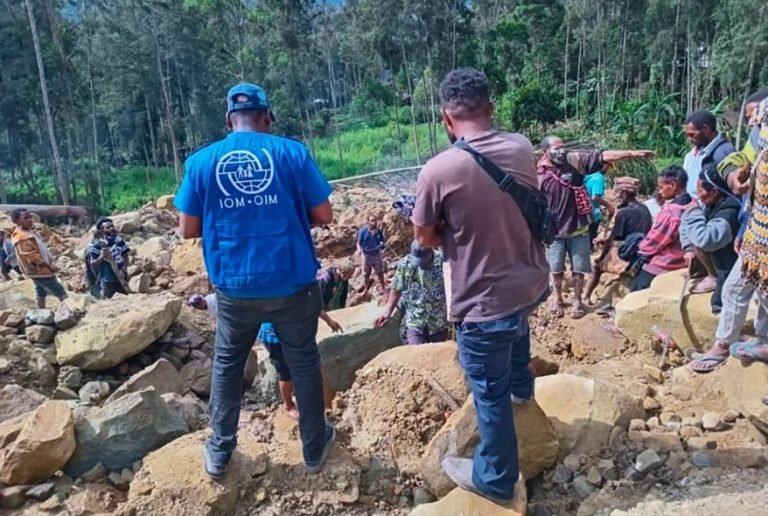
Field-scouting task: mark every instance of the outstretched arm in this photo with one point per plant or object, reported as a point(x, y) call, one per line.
point(611, 156)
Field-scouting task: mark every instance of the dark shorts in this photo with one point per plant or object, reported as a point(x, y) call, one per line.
point(277, 360)
point(45, 287)
point(373, 263)
point(5, 268)
point(413, 336)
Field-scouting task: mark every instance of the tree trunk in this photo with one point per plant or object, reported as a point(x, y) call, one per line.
point(94, 128)
point(150, 124)
point(55, 211)
point(168, 101)
point(565, 64)
point(58, 166)
point(413, 108)
point(331, 80)
point(397, 115)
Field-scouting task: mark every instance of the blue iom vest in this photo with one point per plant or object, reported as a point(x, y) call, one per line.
point(254, 192)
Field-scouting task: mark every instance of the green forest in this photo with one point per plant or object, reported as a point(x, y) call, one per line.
point(102, 100)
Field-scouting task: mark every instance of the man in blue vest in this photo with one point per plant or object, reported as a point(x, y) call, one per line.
point(252, 197)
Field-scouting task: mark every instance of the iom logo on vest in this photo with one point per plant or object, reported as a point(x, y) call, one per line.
point(241, 172)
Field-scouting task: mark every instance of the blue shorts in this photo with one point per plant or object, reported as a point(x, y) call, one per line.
point(45, 287)
point(577, 247)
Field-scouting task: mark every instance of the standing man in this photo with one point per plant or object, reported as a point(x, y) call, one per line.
point(498, 274)
point(708, 146)
point(561, 178)
point(34, 258)
point(370, 243)
point(107, 259)
point(419, 280)
point(252, 197)
point(8, 261)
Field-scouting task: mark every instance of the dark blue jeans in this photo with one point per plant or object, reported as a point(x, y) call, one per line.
point(237, 325)
point(496, 358)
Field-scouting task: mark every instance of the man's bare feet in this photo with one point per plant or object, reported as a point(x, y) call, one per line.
point(292, 411)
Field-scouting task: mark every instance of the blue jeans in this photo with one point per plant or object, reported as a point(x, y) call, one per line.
point(496, 358)
point(237, 325)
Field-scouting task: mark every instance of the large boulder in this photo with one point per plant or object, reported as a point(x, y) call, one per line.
point(161, 376)
point(537, 443)
point(463, 503)
point(660, 306)
point(583, 410)
point(127, 223)
point(192, 409)
point(15, 400)
point(152, 247)
point(28, 366)
point(197, 374)
point(172, 480)
point(165, 202)
point(185, 286)
point(345, 353)
point(44, 445)
point(124, 431)
point(399, 401)
point(115, 330)
point(734, 386)
point(140, 283)
point(187, 258)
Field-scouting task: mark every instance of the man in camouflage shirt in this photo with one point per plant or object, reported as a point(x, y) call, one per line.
point(418, 283)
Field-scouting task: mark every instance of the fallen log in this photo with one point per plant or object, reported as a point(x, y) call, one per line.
point(49, 212)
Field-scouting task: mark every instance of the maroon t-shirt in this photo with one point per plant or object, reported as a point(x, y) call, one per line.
point(496, 267)
point(558, 183)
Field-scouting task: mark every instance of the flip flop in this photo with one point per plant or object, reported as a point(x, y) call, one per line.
point(577, 313)
point(708, 363)
point(750, 351)
point(765, 400)
point(605, 310)
point(705, 286)
point(556, 310)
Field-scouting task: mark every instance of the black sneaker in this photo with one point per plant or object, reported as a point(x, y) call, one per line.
point(316, 466)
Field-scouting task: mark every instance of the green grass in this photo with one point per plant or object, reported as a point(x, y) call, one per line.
point(364, 149)
point(371, 149)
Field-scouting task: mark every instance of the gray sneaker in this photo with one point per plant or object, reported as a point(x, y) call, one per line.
point(214, 471)
point(460, 471)
point(330, 437)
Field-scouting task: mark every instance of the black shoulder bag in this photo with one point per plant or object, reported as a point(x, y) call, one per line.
point(531, 201)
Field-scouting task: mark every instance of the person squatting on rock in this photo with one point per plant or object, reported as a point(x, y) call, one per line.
point(8, 260)
point(268, 337)
point(741, 285)
point(633, 220)
point(106, 261)
point(561, 178)
point(34, 258)
point(370, 243)
point(252, 197)
point(497, 274)
point(660, 250)
point(707, 231)
point(419, 282)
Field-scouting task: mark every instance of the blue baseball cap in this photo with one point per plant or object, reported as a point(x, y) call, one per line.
point(257, 98)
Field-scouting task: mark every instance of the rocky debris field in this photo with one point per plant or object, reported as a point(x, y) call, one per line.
point(103, 404)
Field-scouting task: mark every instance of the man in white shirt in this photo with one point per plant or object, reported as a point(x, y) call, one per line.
point(708, 146)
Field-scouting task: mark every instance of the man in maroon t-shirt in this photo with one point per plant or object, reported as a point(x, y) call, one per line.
point(561, 178)
point(496, 274)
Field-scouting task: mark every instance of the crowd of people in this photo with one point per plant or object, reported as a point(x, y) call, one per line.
point(478, 267)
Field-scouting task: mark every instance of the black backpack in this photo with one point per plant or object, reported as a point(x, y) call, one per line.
point(531, 201)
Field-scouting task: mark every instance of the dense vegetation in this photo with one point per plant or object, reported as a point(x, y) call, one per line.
point(103, 99)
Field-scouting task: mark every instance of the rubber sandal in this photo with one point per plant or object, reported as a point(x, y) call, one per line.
point(557, 310)
point(750, 351)
point(705, 286)
point(708, 363)
point(765, 400)
point(577, 313)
